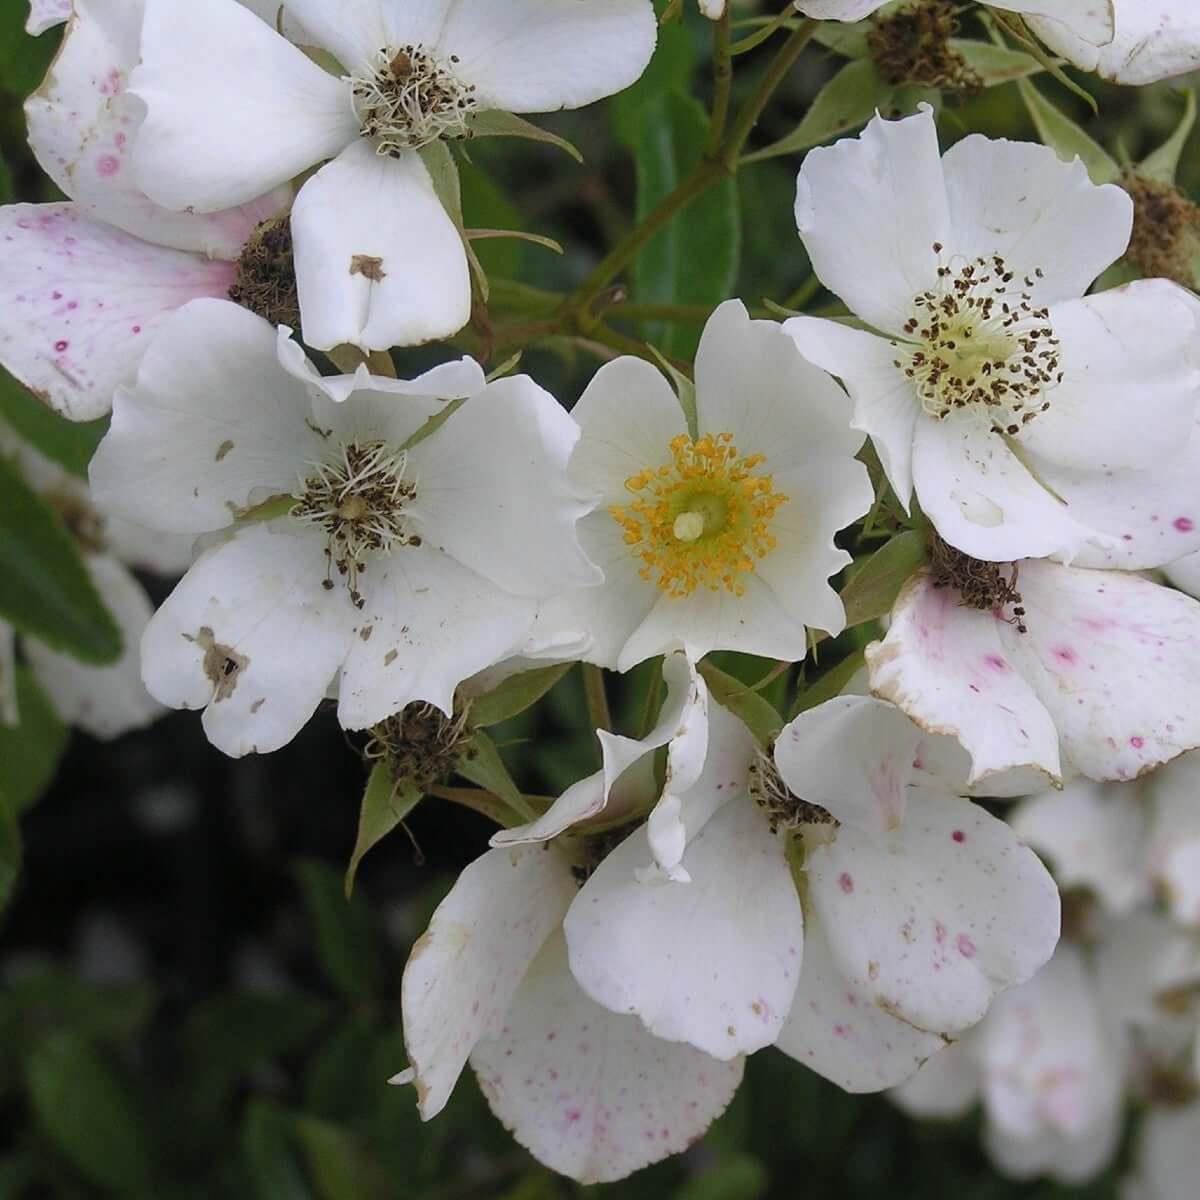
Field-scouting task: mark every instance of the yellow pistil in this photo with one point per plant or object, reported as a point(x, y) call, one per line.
point(703, 520)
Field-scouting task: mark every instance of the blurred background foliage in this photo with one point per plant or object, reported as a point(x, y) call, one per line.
point(189, 1007)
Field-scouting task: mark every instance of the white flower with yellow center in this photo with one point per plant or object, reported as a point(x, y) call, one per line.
point(393, 560)
point(234, 109)
point(1028, 420)
point(718, 536)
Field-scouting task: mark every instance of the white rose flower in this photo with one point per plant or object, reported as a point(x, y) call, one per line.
point(235, 109)
point(399, 569)
point(1029, 421)
point(1049, 1068)
point(84, 284)
point(1125, 841)
point(1097, 677)
point(721, 539)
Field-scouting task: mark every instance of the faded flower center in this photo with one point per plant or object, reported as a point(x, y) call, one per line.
point(420, 744)
point(978, 345)
point(703, 520)
point(412, 98)
point(983, 586)
point(359, 501)
point(782, 807)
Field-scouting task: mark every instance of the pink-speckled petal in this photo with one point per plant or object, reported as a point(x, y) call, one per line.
point(932, 921)
point(589, 1093)
point(1115, 660)
point(465, 969)
point(80, 300)
point(82, 125)
point(713, 962)
point(839, 1033)
point(854, 756)
point(947, 668)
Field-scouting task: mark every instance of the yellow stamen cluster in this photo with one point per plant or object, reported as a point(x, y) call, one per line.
point(703, 520)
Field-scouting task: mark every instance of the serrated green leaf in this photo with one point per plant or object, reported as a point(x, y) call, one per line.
point(1065, 137)
point(1163, 164)
point(516, 694)
point(495, 123)
point(847, 102)
point(84, 1109)
point(758, 714)
point(671, 268)
point(347, 942)
point(71, 444)
point(385, 804)
point(872, 589)
point(45, 589)
point(30, 751)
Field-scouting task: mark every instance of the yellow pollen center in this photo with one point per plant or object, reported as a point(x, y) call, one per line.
point(703, 520)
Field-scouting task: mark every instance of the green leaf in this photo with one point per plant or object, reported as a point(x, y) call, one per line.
point(274, 1167)
point(757, 713)
point(872, 589)
point(339, 1168)
point(23, 60)
point(1163, 164)
point(1065, 137)
point(45, 589)
point(849, 39)
point(694, 260)
point(485, 206)
point(831, 684)
point(516, 694)
point(847, 102)
point(30, 751)
point(71, 444)
point(347, 942)
point(494, 123)
point(995, 64)
point(83, 1108)
point(483, 766)
point(385, 804)
point(670, 70)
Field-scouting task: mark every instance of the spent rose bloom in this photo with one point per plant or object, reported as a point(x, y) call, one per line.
point(235, 109)
point(721, 537)
point(1097, 676)
point(83, 284)
point(1049, 1068)
point(1028, 420)
point(397, 560)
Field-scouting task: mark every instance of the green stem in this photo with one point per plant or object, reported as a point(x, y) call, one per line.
point(597, 697)
point(722, 83)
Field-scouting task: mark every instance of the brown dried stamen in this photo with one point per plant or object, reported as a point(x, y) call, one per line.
point(1165, 243)
point(783, 808)
point(266, 278)
point(420, 744)
point(980, 585)
point(912, 46)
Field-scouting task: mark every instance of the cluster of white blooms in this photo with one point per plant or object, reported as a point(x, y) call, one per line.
point(248, 180)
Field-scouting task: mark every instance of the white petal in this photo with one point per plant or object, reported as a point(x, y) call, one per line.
point(82, 126)
point(251, 636)
point(542, 55)
point(1094, 834)
point(983, 500)
point(1052, 1075)
point(751, 382)
point(1115, 659)
point(713, 9)
point(870, 210)
point(79, 302)
point(1156, 39)
point(1021, 201)
point(946, 1087)
point(682, 725)
point(854, 756)
point(1131, 379)
point(1173, 851)
point(233, 109)
point(946, 667)
point(713, 962)
point(211, 421)
point(378, 260)
point(838, 10)
point(1169, 1152)
point(628, 416)
point(466, 967)
point(103, 701)
point(885, 405)
point(1089, 20)
point(1184, 573)
point(935, 919)
point(592, 1095)
point(842, 1034)
point(427, 624)
point(493, 490)
point(45, 14)
point(753, 623)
